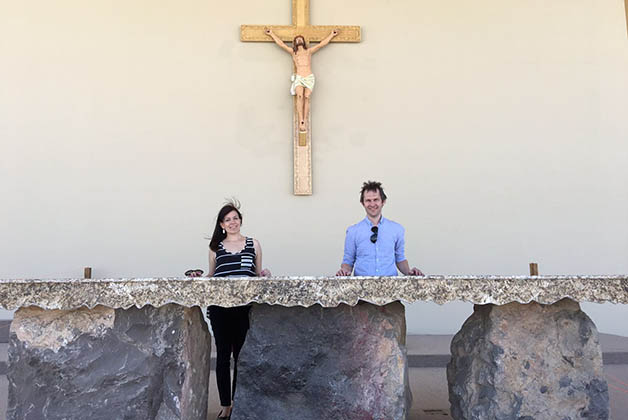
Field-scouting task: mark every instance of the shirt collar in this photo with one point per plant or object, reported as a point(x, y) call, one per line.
point(368, 221)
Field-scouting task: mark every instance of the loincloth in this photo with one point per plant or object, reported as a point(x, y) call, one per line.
point(306, 81)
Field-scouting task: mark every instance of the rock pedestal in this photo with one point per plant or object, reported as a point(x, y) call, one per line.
point(527, 362)
point(109, 364)
point(315, 363)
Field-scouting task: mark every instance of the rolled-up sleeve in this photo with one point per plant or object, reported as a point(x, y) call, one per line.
point(400, 245)
point(349, 254)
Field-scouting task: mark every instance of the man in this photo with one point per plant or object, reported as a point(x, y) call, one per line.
point(375, 246)
point(303, 80)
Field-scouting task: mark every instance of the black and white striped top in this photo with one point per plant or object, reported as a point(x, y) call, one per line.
point(236, 264)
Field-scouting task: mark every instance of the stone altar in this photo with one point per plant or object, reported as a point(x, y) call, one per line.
point(347, 362)
point(103, 363)
point(85, 306)
point(529, 361)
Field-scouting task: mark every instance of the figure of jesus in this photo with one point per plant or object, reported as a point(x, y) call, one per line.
point(303, 80)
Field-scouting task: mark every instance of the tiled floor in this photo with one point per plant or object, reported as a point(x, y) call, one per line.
point(430, 399)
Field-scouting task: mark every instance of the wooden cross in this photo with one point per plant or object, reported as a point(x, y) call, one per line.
point(302, 142)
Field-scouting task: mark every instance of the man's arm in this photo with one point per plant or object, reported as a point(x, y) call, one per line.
point(278, 41)
point(400, 258)
point(348, 258)
point(404, 267)
point(345, 270)
point(324, 41)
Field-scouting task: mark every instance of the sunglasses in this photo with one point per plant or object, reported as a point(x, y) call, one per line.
point(374, 229)
point(194, 273)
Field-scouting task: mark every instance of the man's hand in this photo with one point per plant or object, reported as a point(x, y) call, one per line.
point(335, 32)
point(265, 273)
point(415, 272)
point(268, 31)
point(343, 272)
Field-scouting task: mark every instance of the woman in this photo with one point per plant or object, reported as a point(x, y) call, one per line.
point(230, 255)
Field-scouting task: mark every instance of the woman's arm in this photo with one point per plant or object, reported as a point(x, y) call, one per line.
point(324, 41)
point(258, 260)
point(278, 41)
point(212, 264)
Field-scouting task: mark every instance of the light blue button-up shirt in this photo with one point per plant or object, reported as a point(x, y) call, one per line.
point(374, 259)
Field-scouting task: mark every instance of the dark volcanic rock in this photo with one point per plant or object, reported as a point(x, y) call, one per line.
point(149, 363)
point(324, 363)
point(527, 362)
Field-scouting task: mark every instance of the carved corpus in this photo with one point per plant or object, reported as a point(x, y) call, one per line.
point(302, 142)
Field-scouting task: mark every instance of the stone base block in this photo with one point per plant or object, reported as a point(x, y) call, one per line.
point(527, 362)
point(324, 363)
point(109, 364)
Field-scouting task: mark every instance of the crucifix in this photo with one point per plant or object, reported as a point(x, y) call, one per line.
point(302, 127)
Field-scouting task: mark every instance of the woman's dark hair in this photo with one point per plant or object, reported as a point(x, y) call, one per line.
point(219, 234)
point(372, 186)
point(294, 43)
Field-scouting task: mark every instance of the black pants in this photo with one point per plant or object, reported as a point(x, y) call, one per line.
point(230, 326)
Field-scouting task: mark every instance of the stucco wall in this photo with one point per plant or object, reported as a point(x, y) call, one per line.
point(498, 128)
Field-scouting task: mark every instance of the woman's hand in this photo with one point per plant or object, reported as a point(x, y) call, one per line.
point(265, 273)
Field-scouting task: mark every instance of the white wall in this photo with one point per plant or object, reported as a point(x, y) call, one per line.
point(498, 128)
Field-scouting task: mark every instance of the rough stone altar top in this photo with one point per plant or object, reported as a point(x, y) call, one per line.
point(308, 291)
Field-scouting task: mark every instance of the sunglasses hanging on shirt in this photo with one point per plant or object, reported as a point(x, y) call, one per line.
point(374, 229)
